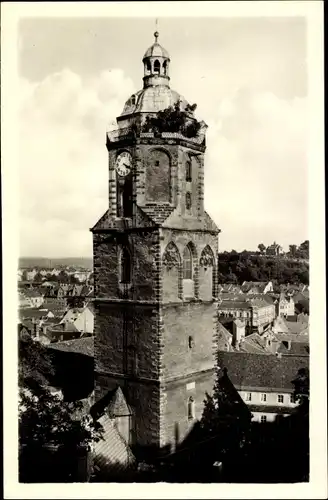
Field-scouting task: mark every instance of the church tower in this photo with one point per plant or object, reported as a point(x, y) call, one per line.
point(155, 266)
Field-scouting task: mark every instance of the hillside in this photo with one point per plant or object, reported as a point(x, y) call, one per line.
point(42, 262)
point(237, 267)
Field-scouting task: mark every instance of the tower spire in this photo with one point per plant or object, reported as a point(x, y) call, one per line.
point(156, 34)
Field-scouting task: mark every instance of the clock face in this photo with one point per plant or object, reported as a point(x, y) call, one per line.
point(123, 164)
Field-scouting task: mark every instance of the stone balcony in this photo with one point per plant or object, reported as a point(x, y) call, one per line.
point(123, 134)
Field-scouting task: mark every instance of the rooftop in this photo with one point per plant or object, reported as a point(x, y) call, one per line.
point(84, 345)
point(257, 372)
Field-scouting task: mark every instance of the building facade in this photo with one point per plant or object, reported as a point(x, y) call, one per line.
point(265, 383)
point(155, 268)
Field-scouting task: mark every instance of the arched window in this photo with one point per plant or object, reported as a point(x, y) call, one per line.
point(125, 264)
point(127, 198)
point(157, 67)
point(187, 264)
point(191, 408)
point(188, 171)
point(133, 99)
point(124, 197)
point(148, 67)
point(165, 67)
point(188, 201)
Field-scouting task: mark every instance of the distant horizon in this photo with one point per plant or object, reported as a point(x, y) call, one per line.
point(91, 256)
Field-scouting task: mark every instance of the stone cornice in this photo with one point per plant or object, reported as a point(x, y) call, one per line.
point(166, 139)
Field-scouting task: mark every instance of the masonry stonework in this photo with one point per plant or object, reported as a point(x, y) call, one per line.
point(155, 274)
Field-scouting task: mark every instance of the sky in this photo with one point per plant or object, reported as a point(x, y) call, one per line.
point(248, 77)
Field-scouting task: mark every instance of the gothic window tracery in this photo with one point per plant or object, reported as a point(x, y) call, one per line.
point(171, 257)
point(187, 263)
point(188, 201)
point(207, 257)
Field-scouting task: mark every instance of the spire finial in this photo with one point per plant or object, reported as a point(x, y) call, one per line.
point(156, 34)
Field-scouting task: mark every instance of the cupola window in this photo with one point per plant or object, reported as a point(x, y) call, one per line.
point(157, 67)
point(165, 67)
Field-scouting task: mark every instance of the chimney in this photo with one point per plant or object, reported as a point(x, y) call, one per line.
point(238, 332)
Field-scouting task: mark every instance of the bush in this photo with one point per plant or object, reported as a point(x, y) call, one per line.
point(174, 119)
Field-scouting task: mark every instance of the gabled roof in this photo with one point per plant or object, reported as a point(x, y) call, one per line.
point(249, 371)
point(83, 345)
point(223, 338)
point(254, 343)
point(113, 403)
point(297, 327)
point(262, 297)
point(233, 304)
point(32, 313)
point(112, 450)
point(32, 293)
point(296, 349)
point(118, 406)
point(65, 327)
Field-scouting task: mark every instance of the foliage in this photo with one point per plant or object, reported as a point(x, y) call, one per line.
point(302, 389)
point(174, 119)
point(261, 247)
point(237, 267)
point(272, 452)
point(226, 417)
point(35, 365)
point(45, 418)
point(301, 251)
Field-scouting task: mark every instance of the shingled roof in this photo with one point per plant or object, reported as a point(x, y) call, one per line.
point(84, 345)
point(249, 371)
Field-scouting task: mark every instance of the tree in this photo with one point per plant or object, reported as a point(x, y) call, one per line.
point(45, 419)
point(63, 277)
point(226, 416)
point(292, 250)
point(262, 248)
point(38, 277)
point(174, 119)
point(303, 250)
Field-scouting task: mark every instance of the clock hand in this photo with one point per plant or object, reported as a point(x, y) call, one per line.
point(125, 165)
